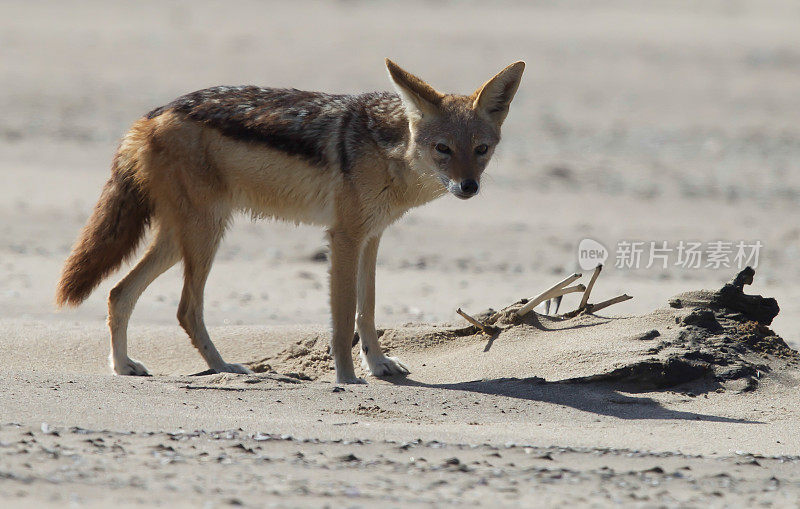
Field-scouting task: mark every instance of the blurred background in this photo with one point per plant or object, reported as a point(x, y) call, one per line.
point(658, 121)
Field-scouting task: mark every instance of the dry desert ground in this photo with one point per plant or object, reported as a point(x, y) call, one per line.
point(658, 122)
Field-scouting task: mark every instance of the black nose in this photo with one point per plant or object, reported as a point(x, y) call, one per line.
point(469, 187)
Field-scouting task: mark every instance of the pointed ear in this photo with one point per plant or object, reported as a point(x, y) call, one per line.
point(494, 97)
point(418, 97)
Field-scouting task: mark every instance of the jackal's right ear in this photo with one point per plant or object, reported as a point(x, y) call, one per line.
point(494, 97)
point(418, 97)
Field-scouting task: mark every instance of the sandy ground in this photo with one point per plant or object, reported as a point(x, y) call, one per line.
point(664, 122)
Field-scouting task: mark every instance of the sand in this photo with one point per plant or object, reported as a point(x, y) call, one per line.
point(684, 405)
point(663, 122)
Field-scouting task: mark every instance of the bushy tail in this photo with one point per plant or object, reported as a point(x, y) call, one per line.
point(110, 236)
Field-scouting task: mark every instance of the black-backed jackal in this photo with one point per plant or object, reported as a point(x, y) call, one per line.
point(350, 163)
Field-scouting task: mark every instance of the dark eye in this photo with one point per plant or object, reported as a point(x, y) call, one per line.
point(442, 148)
point(481, 149)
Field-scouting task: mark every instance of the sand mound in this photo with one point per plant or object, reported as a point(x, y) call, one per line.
point(711, 340)
point(304, 359)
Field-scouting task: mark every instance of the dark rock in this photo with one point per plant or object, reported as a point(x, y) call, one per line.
point(653, 374)
point(698, 355)
point(647, 336)
point(737, 371)
point(298, 376)
point(754, 307)
point(703, 318)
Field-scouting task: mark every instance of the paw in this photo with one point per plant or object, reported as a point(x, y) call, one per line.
point(233, 368)
point(386, 366)
point(129, 367)
point(350, 380)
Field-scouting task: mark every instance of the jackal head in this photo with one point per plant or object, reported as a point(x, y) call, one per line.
point(454, 136)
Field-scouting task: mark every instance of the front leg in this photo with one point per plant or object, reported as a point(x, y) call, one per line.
point(372, 357)
point(344, 264)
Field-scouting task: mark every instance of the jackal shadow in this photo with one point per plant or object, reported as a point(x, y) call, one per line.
point(600, 398)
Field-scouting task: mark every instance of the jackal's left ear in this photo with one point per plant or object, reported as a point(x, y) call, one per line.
point(418, 97)
point(494, 97)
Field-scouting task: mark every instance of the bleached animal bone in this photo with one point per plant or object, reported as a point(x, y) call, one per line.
point(585, 298)
point(557, 298)
point(593, 308)
point(554, 291)
point(556, 301)
point(572, 289)
point(487, 329)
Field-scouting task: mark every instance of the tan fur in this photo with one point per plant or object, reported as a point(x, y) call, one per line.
point(188, 178)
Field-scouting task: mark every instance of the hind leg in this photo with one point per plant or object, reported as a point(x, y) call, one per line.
point(160, 256)
point(199, 244)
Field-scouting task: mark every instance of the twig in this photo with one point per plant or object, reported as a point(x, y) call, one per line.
point(592, 308)
point(589, 287)
point(487, 329)
point(553, 291)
